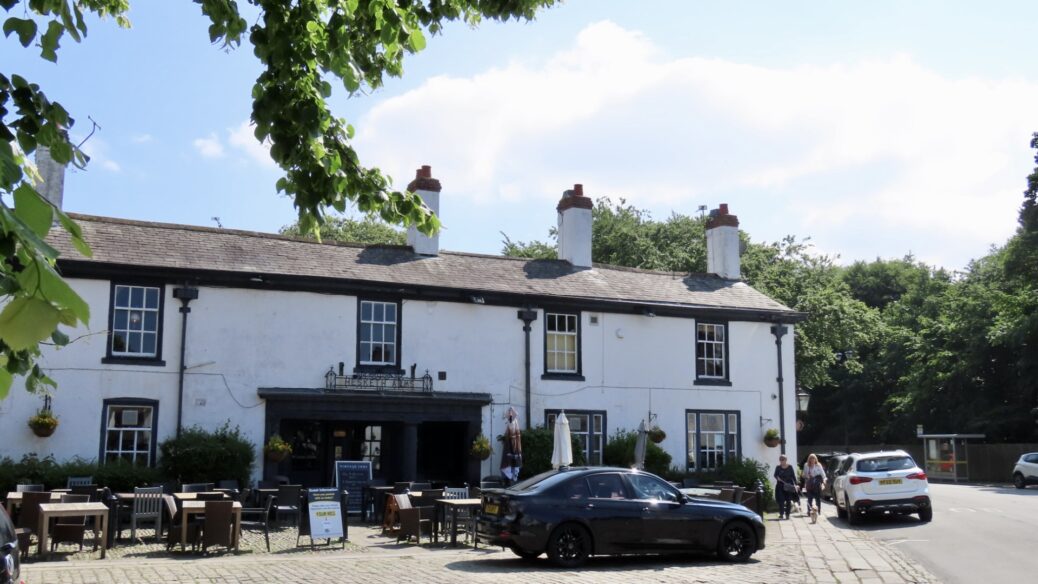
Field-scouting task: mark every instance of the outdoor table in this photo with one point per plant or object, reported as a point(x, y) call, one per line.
point(194, 496)
point(454, 505)
point(198, 507)
point(14, 499)
point(49, 511)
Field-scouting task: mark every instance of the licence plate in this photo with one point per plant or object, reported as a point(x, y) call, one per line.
point(890, 481)
point(490, 508)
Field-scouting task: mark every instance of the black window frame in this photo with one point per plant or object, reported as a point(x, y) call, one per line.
point(722, 381)
point(590, 414)
point(384, 369)
point(699, 425)
point(154, 361)
point(129, 402)
point(560, 375)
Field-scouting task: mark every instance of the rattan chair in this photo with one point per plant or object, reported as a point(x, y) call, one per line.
point(288, 501)
point(218, 527)
point(71, 529)
point(259, 517)
point(413, 520)
point(29, 518)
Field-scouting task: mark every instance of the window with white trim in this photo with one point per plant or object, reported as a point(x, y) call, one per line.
point(129, 433)
point(136, 317)
point(713, 439)
point(588, 427)
point(377, 344)
point(561, 343)
point(711, 351)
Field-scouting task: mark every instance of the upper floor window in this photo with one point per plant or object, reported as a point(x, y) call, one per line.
point(711, 351)
point(135, 323)
point(128, 433)
point(562, 343)
point(378, 335)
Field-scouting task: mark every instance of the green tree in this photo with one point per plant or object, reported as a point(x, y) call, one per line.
point(368, 230)
point(302, 45)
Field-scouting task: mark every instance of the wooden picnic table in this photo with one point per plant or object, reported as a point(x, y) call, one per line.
point(197, 507)
point(48, 511)
point(454, 505)
point(14, 499)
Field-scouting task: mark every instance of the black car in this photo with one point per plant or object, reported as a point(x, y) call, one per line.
point(575, 513)
point(9, 567)
point(831, 465)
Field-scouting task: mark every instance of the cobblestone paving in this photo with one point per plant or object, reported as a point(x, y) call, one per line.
point(797, 551)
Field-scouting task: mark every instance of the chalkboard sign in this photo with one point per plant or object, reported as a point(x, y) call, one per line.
point(353, 476)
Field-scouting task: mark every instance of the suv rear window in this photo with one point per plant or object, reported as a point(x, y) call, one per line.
point(885, 464)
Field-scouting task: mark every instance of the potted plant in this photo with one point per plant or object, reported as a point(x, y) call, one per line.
point(771, 438)
point(480, 448)
point(656, 434)
point(277, 449)
point(43, 423)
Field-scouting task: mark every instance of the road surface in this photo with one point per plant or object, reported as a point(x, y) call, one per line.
point(978, 534)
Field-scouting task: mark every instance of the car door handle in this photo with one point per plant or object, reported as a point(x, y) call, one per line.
point(645, 509)
point(589, 506)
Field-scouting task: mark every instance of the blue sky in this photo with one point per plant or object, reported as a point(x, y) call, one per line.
point(875, 128)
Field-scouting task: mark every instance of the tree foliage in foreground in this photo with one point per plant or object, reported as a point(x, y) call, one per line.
point(367, 230)
point(304, 47)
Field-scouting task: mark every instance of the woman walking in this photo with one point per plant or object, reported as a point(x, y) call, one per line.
point(814, 482)
point(785, 486)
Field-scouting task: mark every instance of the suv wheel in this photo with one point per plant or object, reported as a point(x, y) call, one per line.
point(1018, 481)
point(840, 511)
point(852, 514)
point(926, 515)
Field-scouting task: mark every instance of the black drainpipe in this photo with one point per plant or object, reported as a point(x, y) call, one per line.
point(185, 294)
point(527, 315)
point(779, 330)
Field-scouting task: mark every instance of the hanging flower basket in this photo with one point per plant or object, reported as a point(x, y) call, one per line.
point(480, 448)
point(656, 434)
point(277, 449)
point(771, 438)
point(43, 423)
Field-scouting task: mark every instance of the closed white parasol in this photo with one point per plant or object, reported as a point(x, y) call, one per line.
point(562, 454)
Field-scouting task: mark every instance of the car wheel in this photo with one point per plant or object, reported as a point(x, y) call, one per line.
point(1018, 481)
point(737, 542)
point(926, 515)
point(569, 545)
point(852, 514)
point(528, 556)
point(840, 511)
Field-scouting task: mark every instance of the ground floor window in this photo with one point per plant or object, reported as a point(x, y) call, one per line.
point(587, 426)
point(128, 431)
point(713, 439)
point(371, 447)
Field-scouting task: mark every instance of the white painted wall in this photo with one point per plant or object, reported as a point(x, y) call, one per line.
point(240, 340)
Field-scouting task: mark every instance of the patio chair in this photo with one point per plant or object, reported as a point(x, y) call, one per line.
point(413, 520)
point(465, 516)
point(196, 487)
point(147, 505)
point(214, 496)
point(29, 518)
point(218, 527)
point(737, 494)
point(727, 495)
point(71, 529)
point(288, 501)
point(92, 491)
point(175, 517)
point(76, 481)
point(25, 488)
point(229, 484)
point(259, 517)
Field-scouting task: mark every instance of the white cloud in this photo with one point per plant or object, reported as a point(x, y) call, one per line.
point(98, 151)
point(870, 158)
point(210, 146)
point(244, 140)
point(141, 138)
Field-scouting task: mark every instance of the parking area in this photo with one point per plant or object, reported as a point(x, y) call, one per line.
point(797, 551)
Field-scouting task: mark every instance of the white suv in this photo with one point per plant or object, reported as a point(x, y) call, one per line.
point(1026, 470)
point(881, 482)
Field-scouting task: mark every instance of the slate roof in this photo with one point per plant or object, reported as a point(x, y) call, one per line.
point(162, 245)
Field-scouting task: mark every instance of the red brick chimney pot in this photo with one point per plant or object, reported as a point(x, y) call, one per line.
point(424, 181)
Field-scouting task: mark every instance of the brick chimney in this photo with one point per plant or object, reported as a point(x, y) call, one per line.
point(429, 189)
point(575, 227)
point(722, 243)
point(52, 187)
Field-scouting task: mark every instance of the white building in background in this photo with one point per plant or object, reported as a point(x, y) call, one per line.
point(403, 354)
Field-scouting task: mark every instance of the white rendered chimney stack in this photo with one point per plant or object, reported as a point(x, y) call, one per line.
point(575, 227)
point(429, 189)
point(722, 244)
point(52, 187)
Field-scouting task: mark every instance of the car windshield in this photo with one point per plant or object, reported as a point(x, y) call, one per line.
point(885, 464)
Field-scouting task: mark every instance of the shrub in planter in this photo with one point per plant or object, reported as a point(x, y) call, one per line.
point(656, 434)
point(619, 451)
point(276, 449)
point(771, 437)
point(480, 448)
point(43, 423)
point(202, 456)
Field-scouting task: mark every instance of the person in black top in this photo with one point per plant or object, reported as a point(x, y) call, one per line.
point(785, 486)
